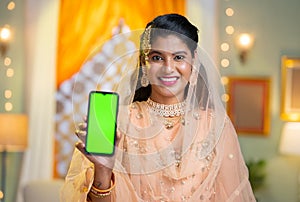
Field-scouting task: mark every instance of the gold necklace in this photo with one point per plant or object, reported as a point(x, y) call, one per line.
point(171, 122)
point(172, 114)
point(163, 110)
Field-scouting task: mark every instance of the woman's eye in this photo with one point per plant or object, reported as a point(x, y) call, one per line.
point(179, 57)
point(156, 58)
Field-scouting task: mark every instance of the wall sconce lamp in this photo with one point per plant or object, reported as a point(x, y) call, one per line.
point(244, 44)
point(5, 36)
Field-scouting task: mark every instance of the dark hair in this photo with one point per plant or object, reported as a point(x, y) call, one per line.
point(175, 24)
point(164, 25)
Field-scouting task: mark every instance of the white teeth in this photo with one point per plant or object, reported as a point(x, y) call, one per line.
point(168, 79)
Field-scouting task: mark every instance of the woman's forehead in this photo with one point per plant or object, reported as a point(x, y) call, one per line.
point(169, 43)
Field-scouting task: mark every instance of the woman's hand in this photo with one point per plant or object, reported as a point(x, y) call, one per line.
point(103, 164)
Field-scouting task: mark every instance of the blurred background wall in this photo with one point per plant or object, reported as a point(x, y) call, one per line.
point(33, 54)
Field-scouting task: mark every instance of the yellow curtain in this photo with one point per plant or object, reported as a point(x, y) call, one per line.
point(84, 25)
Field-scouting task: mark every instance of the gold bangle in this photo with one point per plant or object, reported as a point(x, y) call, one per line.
point(101, 193)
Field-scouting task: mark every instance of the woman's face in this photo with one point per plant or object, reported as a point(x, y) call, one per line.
point(170, 62)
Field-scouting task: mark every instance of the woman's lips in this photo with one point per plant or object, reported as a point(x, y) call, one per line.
point(168, 81)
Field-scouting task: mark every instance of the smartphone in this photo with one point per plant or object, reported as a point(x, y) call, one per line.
point(102, 122)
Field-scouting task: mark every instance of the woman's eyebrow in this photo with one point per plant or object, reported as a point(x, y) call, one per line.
point(155, 52)
point(175, 53)
point(180, 53)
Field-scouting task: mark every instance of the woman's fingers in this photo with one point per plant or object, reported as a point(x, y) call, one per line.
point(81, 131)
point(81, 147)
point(101, 161)
point(82, 125)
point(81, 134)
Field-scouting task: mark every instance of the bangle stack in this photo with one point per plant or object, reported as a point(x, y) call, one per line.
point(102, 193)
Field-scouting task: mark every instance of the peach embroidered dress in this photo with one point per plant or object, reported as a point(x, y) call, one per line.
point(192, 157)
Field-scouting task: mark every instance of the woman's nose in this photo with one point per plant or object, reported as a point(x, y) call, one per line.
point(168, 66)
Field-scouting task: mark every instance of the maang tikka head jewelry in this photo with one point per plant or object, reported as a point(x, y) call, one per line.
point(146, 46)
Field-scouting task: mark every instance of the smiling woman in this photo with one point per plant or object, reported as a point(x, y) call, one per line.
point(175, 141)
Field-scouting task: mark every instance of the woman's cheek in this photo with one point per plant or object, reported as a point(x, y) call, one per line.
point(186, 71)
point(151, 74)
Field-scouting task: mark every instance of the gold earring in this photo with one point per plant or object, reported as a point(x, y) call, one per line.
point(144, 79)
point(146, 46)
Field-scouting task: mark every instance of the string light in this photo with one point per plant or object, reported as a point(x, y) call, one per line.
point(8, 106)
point(225, 63)
point(11, 6)
point(224, 47)
point(225, 97)
point(224, 80)
point(10, 72)
point(229, 29)
point(7, 94)
point(229, 12)
point(5, 37)
point(7, 61)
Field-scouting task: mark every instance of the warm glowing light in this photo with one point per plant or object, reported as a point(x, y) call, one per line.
point(225, 97)
point(5, 34)
point(10, 72)
point(7, 94)
point(1, 194)
point(290, 139)
point(229, 29)
point(245, 40)
point(7, 61)
point(229, 12)
point(225, 63)
point(244, 43)
point(294, 117)
point(224, 80)
point(11, 5)
point(224, 47)
point(8, 106)
point(289, 63)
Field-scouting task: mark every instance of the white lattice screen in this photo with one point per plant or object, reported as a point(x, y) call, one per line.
point(102, 72)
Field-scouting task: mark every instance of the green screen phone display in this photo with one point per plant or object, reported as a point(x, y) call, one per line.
point(102, 122)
